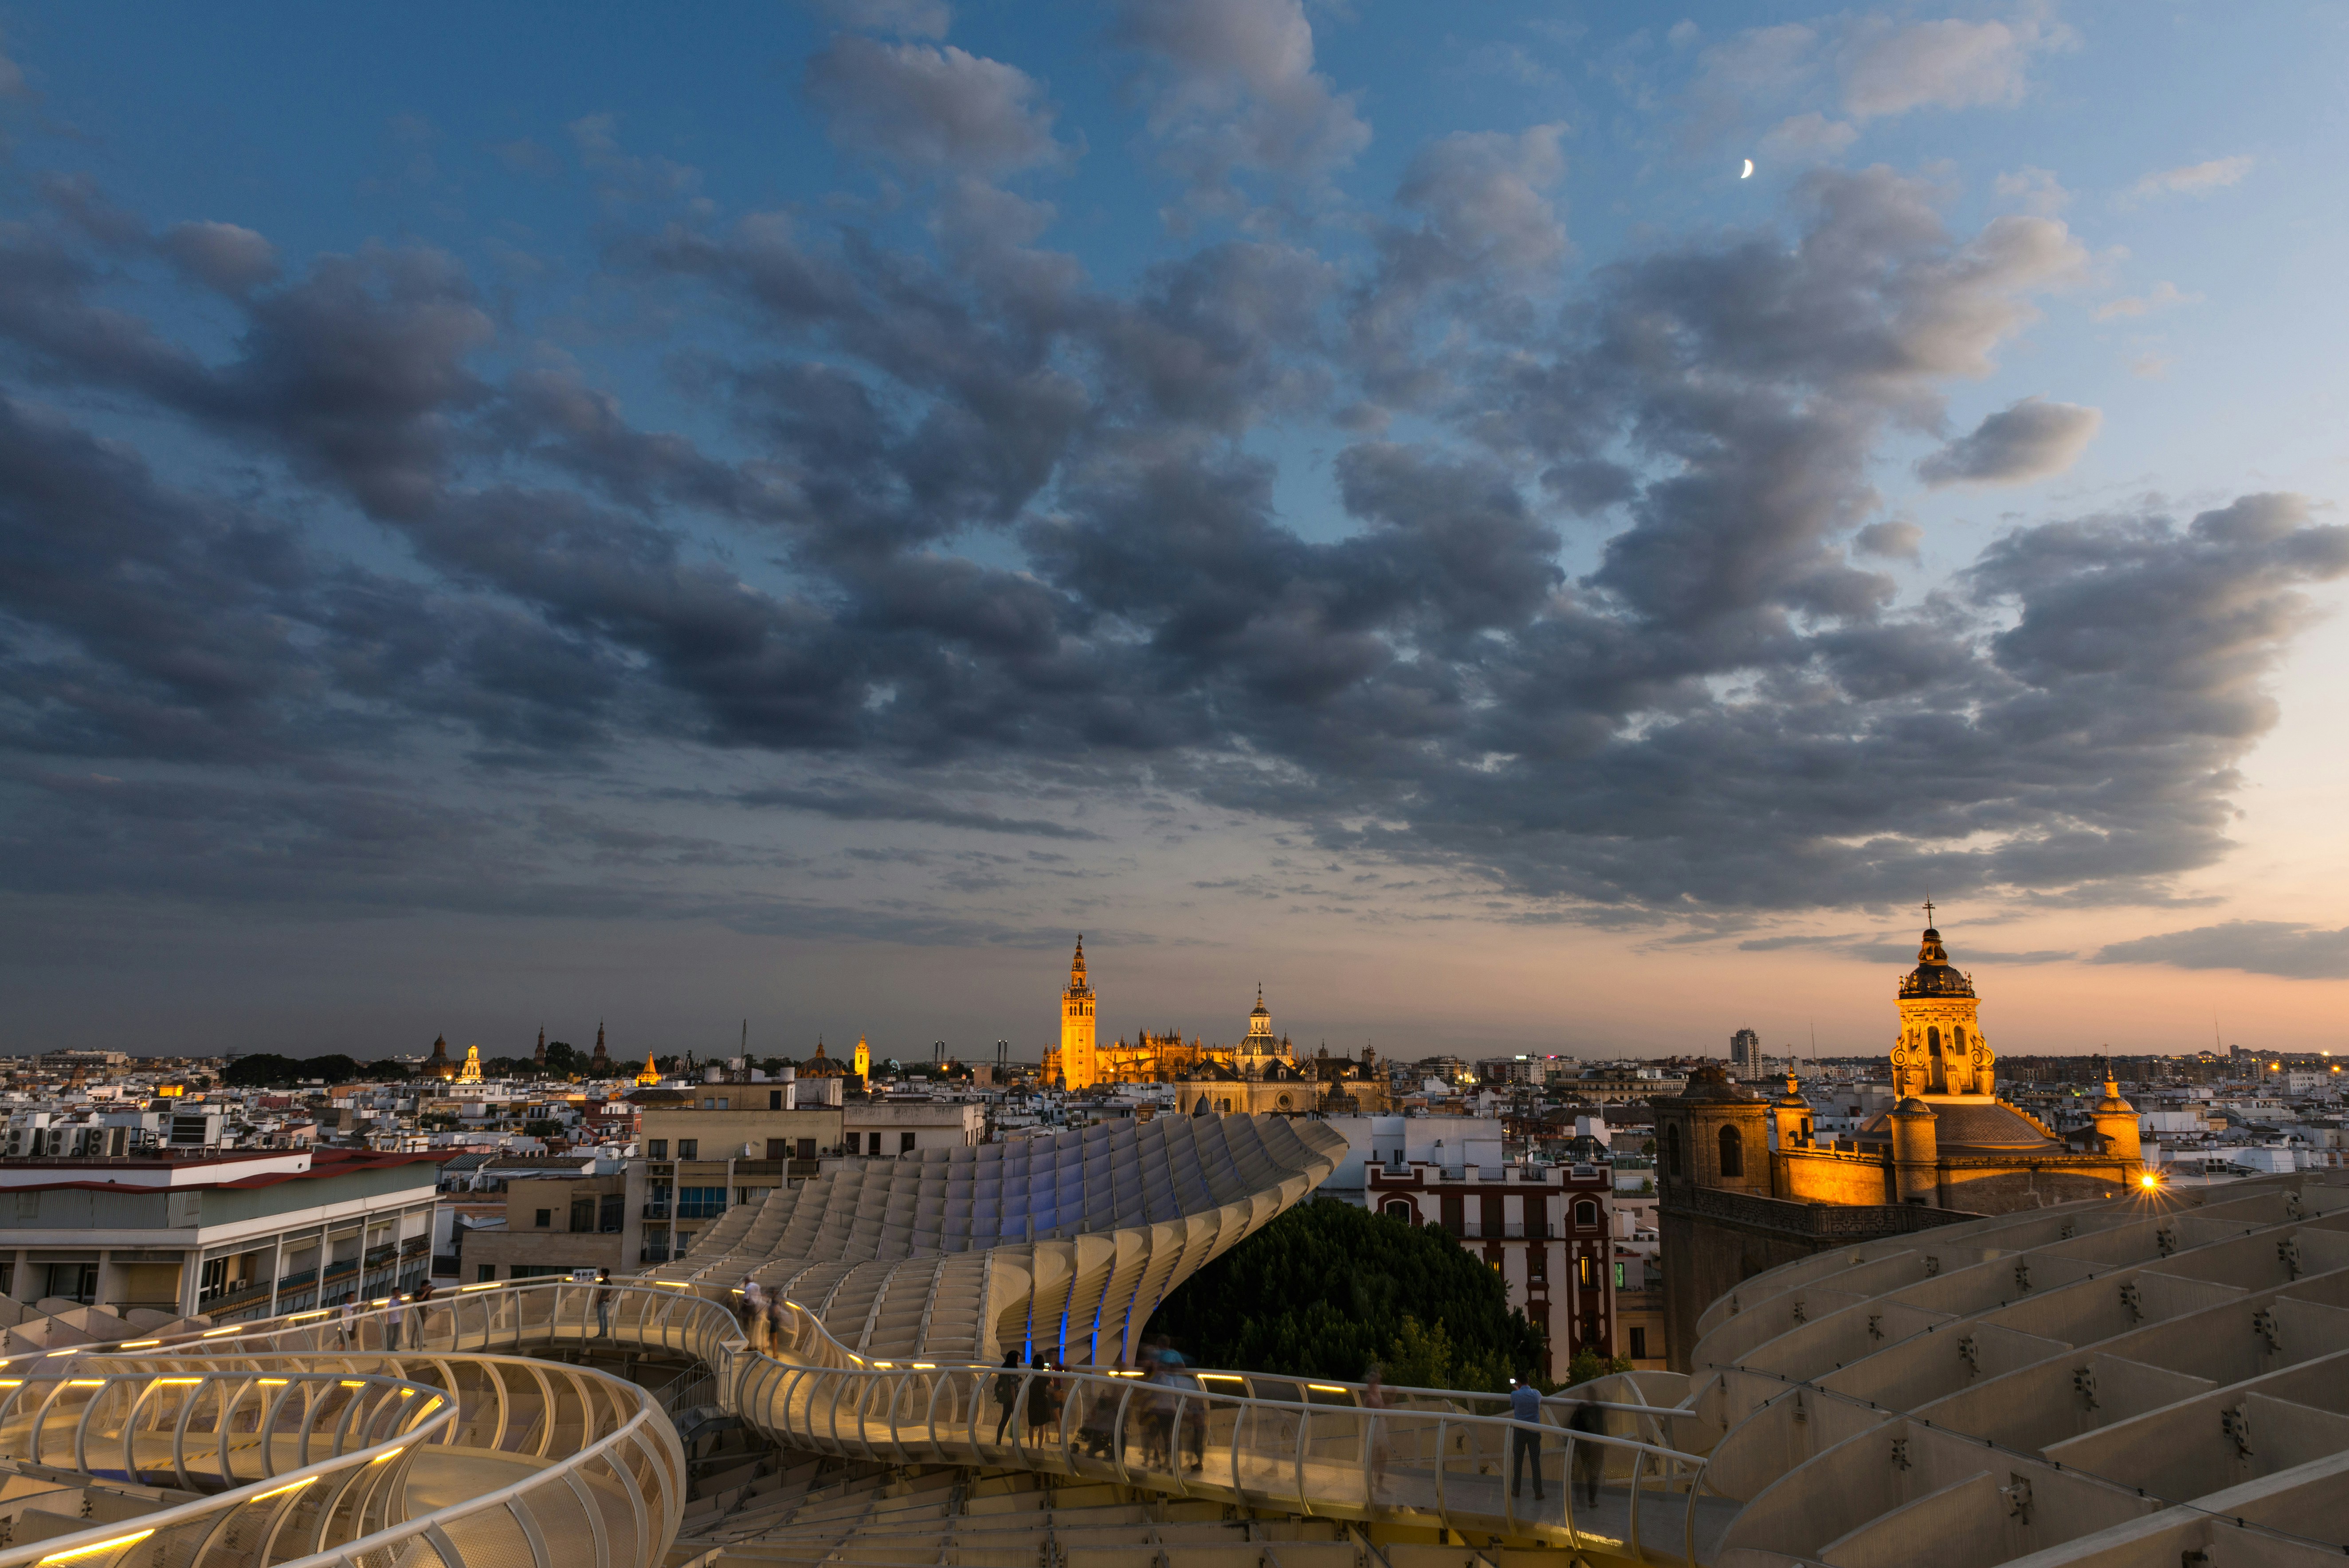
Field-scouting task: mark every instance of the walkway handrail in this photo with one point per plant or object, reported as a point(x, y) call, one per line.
point(1441, 1466)
point(602, 1478)
point(387, 1416)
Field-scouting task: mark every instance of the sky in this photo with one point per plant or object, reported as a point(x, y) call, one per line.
point(774, 518)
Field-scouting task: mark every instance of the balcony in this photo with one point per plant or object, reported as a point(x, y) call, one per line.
point(657, 1212)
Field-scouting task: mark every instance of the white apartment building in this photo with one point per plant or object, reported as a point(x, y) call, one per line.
point(232, 1235)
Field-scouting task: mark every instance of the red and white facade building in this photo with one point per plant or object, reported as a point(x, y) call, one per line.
point(1547, 1230)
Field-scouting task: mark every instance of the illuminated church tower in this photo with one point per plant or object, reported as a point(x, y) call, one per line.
point(1078, 1064)
point(1259, 1047)
point(1941, 1049)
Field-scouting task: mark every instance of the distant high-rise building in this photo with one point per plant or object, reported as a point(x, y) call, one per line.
point(1745, 1053)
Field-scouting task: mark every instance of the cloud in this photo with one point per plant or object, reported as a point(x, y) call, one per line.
point(885, 805)
point(1807, 137)
point(2194, 178)
point(2284, 948)
point(1891, 68)
point(1485, 197)
point(1867, 68)
point(973, 540)
point(222, 255)
point(2028, 441)
point(2036, 189)
point(907, 18)
point(2161, 296)
point(931, 106)
point(1232, 90)
point(1892, 540)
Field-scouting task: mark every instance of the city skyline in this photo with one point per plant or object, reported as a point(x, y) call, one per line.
point(799, 515)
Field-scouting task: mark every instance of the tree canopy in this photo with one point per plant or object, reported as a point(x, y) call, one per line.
point(1328, 1288)
point(266, 1069)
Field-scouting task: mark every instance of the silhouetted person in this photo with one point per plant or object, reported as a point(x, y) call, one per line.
point(1525, 1438)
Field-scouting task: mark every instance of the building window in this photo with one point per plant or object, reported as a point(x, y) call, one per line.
point(1586, 1272)
point(1672, 1150)
point(1732, 1153)
point(807, 1148)
point(1586, 1214)
point(657, 1149)
point(689, 1148)
point(615, 1213)
point(546, 1218)
point(583, 1215)
point(1638, 1345)
point(700, 1202)
point(904, 1143)
point(779, 1148)
point(1538, 1263)
point(774, 1099)
point(484, 1273)
point(1619, 1276)
point(1400, 1208)
point(873, 1144)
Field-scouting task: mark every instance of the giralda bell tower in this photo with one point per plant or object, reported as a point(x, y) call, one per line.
point(1078, 1064)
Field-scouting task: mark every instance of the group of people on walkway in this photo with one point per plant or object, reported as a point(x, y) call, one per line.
point(766, 1320)
point(1159, 1404)
point(1586, 1420)
point(397, 1310)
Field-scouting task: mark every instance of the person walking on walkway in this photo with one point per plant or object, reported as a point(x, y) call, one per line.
point(395, 1316)
point(603, 1293)
point(422, 1298)
point(754, 1315)
point(1588, 1422)
point(1043, 1405)
point(1374, 1400)
point(1525, 1438)
point(1007, 1390)
point(346, 1321)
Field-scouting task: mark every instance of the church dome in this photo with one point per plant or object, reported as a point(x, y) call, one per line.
point(1710, 1082)
point(1933, 977)
point(1968, 1127)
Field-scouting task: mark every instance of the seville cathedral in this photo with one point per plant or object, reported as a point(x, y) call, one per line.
point(1745, 1185)
point(1261, 1074)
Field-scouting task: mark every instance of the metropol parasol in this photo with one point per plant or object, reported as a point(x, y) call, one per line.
point(2157, 1378)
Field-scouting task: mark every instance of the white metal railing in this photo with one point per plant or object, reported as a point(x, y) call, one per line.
point(1429, 1457)
point(317, 1455)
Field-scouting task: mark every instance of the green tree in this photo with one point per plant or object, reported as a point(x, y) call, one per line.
point(1328, 1288)
point(563, 1060)
point(386, 1071)
point(1589, 1364)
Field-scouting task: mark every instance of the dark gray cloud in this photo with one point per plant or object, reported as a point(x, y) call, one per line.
point(968, 540)
point(2030, 440)
point(866, 804)
point(2280, 948)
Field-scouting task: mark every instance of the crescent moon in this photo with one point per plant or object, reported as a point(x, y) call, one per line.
point(1749, 171)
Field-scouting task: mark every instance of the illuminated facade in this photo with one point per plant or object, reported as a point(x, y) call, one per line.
point(1747, 1184)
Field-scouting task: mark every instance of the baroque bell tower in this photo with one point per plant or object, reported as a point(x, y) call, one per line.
point(1941, 1049)
point(1079, 1067)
